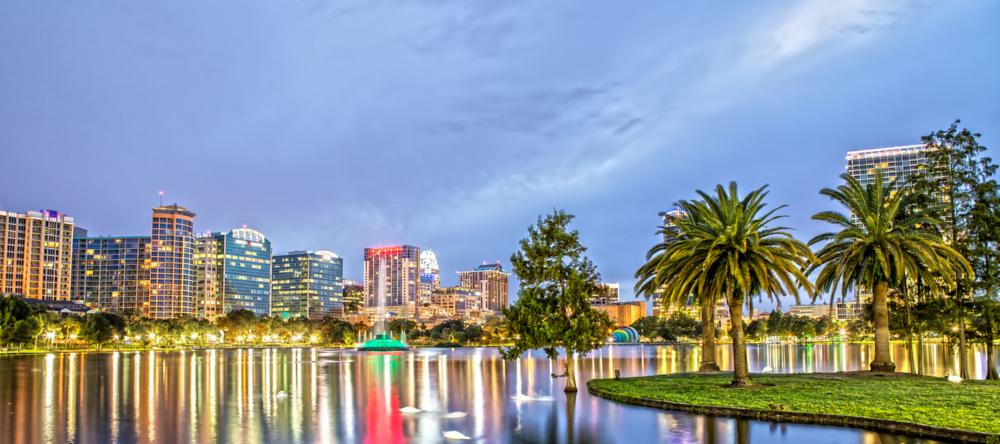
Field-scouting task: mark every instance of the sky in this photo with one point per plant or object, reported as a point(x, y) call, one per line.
point(453, 125)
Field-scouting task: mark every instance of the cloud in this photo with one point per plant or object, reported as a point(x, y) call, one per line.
point(593, 131)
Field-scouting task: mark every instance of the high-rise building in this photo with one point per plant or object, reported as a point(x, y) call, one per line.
point(111, 273)
point(670, 233)
point(670, 219)
point(307, 284)
point(354, 297)
point(172, 276)
point(233, 272)
point(395, 273)
point(896, 163)
point(607, 293)
point(37, 254)
point(491, 281)
point(430, 276)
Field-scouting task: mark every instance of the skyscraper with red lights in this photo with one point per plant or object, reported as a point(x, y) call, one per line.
point(392, 274)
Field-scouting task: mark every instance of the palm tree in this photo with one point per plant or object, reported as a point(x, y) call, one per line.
point(727, 250)
point(648, 285)
point(879, 247)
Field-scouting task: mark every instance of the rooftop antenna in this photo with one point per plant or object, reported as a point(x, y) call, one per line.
point(161, 198)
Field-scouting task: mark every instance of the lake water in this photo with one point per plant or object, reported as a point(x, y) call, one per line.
point(239, 396)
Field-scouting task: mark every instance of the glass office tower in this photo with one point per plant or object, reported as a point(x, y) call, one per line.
point(896, 163)
point(233, 272)
point(307, 284)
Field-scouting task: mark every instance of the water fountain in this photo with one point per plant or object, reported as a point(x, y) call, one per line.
point(383, 341)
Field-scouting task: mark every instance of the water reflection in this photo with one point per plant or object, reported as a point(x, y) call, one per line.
point(322, 395)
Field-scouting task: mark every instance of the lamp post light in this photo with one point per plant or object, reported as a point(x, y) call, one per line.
point(51, 337)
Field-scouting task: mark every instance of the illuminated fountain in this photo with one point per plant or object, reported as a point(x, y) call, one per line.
point(383, 341)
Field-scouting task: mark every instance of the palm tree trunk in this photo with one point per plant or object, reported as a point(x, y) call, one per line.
point(920, 331)
point(570, 373)
point(963, 367)
point(920, 352)
point(909, 328)
point(741, 371)
point(882, 361)
point(707, 338)
point(991, 370)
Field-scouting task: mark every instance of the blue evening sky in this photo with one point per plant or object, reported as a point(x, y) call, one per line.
point(452, 125)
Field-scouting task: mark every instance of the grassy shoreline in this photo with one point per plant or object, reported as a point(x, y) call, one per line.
point(899, 402)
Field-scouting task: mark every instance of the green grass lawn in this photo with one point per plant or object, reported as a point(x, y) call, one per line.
point(970, 405)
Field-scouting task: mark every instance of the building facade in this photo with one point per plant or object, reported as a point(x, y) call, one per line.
point(491, 281)
point(842, 311)
point(670, 218)
point(354, 297)
point(623, 313)
point(112, 273)
point(233, 272)
point(392, 274)
point(307, 284)
point(896, 163)
point(430, 277)
point(172, 274)
point(37, 254)
point(455, 302)
point(607, 293)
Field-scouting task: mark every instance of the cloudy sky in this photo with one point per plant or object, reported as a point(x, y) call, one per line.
point(452, 125)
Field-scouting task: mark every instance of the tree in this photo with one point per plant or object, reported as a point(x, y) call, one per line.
point(683, 325)
point(877, 249)
point(553, 309)
point(336, 331)
point(666, 333)
point(824, 326)
point(984, 246)
point(728, 250)
point(757, 329)
point(402, 325)
point(237, 323)
point(649, 279)
point(12, 311)
point(648, 327)
point(100, 328)
point(956, 169)
point(24, 330)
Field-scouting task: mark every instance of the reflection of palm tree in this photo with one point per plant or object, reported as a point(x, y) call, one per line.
point(878, 248)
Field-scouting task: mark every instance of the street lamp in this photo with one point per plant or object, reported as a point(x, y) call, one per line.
point(52, 338)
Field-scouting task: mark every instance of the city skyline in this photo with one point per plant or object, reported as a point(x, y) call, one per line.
point(382, 129)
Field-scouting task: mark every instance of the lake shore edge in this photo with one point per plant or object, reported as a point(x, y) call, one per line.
point(605, 388)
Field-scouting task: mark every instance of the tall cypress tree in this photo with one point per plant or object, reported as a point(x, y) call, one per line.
point(553, 307)
point(956, 168)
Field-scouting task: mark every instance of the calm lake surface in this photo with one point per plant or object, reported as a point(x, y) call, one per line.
point(238, 396)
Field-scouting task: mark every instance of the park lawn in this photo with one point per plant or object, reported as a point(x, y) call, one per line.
point(970, 405)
